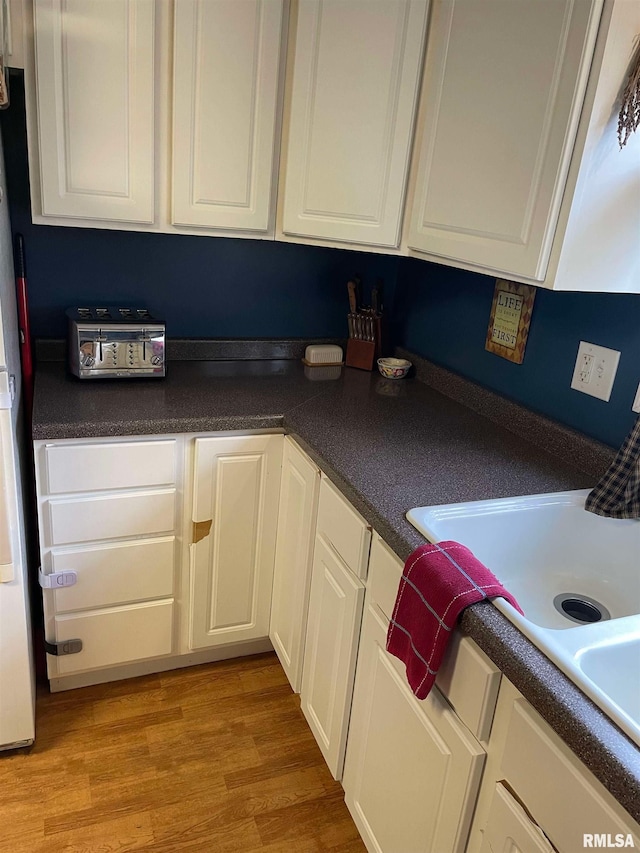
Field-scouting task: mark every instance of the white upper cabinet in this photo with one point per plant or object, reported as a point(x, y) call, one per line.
point(95, 97)
point(597, 246)
point(225, 96)
point(503, 89)
point(356, 75)
point(154, 116)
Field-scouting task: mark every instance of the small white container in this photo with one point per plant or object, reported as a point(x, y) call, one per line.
point(323, 354)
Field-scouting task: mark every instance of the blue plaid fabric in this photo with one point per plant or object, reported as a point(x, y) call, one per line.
point(617, 495)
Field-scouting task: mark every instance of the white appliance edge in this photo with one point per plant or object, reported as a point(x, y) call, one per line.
point(17, 674)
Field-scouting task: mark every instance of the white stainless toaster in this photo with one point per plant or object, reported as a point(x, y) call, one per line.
point(115, 343)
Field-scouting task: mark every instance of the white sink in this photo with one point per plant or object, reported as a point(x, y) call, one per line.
point(563, 565)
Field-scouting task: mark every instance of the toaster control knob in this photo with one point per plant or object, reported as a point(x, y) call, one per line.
point(88, 361)
point(156, 360)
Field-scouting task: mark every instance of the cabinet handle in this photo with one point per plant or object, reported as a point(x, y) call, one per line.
point(201, 529)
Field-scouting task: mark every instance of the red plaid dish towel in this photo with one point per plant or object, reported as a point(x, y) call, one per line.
point(438, 582)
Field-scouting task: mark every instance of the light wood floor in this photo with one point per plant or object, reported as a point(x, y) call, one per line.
point(213, 758)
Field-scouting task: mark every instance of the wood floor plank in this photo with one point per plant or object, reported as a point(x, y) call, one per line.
point(213, 759)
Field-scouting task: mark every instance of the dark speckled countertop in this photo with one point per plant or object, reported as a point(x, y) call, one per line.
point(389, 446)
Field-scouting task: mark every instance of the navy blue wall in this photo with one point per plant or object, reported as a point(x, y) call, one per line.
point(217, 287)
point(443, 314)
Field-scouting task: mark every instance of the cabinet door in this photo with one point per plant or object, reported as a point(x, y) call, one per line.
point(412, 771)
point(95, 103)
point(335, 612)
point(510, 829)
point(294, 556)
point(355, 83)
point(225, 99)
point(235, 515)
point(502, 94)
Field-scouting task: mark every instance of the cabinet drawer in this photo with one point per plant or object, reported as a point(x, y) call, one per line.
point(110, 517)
point(467, 677)
point(97, 467)
point(117, 635)
point(115, 573)
point(533, 753)
point(344, 528)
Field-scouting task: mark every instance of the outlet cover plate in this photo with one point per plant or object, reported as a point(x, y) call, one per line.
point(595, 370)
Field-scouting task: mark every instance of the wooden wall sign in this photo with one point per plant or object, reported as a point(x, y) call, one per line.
point(510, 319)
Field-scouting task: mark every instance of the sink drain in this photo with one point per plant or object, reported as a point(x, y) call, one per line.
point(580, 608)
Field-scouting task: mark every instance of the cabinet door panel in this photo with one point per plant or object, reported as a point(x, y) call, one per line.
point(115, 465)
point(429, 763)
point(226, 66)
point(509, 828)
point(533, 753)
point(335, 612)
point(503, 89)
point(344, 528)
point(114, 573)
point(293, 562)
point(95, 101)
point(110, 516)
point(114, 636)
point(236, 488)
point(355, 85)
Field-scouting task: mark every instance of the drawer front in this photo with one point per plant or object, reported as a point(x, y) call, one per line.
point(116, 636)
point(110, 517)
point(385, 571)
point(533, 753)
point(344, 528)
point(468, 679)
point(115, 573)
point(97, 467)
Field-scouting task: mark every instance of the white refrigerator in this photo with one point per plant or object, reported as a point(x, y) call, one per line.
point(17, 674)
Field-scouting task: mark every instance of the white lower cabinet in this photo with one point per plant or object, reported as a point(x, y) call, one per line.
point(537, 795)
point(509, 827)
point(413, 769)
point(116, 635)
point(333, 628)
point(108, 512)
point(113, 527)
point(294, 557)
point(235, 513)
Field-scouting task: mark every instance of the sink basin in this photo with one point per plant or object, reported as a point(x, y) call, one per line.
point(614, 669)
point(576, 575)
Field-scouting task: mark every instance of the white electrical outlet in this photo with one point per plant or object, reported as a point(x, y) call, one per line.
point(636, 403)
point(595, 370)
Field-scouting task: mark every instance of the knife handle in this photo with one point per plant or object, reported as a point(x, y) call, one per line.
point(353, 299)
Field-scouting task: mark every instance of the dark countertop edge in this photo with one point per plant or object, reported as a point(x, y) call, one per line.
point(60, 432)
point(595, 739)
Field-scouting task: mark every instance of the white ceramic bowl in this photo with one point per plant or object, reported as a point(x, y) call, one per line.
point(394, 368)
